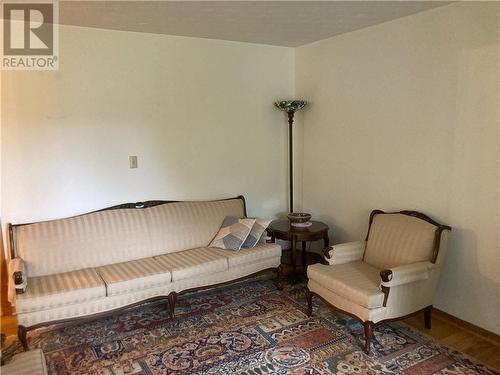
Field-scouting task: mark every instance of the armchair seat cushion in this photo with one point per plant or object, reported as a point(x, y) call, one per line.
point(47, 292)
point(358, 282)
point(134, 275)
point(191, 263)
point(251, 255)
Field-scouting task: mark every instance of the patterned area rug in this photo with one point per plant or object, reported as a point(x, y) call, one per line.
point(246, 328)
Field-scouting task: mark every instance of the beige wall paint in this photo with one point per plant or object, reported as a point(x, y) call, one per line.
point(402, 115)
point(198, 114)
point(405, 115)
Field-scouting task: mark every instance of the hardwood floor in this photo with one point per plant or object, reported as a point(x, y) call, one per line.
point(444, 330)
point(8, 325)
point(460, 337)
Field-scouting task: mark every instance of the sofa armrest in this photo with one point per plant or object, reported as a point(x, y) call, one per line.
point(345, 252)
point(406, 274)
point(18, 278)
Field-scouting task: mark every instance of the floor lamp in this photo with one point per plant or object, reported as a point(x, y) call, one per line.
point(290, 107)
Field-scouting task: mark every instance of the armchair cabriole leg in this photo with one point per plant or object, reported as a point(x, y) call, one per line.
point(172, 300)
point(309, 298)
point(279, 277)
point(369, 327)
point(427, 317)
point(21, 334)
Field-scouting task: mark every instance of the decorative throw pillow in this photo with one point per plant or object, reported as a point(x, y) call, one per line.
point(232, 233)
point(256, 233)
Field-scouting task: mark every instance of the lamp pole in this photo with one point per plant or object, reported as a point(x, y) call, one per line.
point(290, 151)
point(290, 107)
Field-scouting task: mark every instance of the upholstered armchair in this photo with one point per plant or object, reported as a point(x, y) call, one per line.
point(391, 275)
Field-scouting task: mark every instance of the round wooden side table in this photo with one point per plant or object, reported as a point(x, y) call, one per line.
point(282, 230)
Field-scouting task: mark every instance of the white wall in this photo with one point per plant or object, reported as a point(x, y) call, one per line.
point(198, 113)
point(405, 115)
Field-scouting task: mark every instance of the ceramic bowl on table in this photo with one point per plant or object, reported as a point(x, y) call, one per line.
point(299, 219)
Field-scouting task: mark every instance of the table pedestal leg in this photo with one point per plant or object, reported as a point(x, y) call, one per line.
point(304, 257)
point(294, 258)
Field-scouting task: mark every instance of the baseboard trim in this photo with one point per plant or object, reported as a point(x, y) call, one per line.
point(472, 328)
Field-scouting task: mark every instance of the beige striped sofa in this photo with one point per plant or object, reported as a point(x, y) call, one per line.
point(96, 263)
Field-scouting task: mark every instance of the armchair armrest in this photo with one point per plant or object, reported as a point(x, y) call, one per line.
point(345, 252)
point(405, 274)
point(18, 278)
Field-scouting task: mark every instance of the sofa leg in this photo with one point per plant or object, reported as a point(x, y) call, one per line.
point(427, 317)
point(172, 299)
point(21, 334)
point(279, 277)
point(309, 298)
point(369, 327)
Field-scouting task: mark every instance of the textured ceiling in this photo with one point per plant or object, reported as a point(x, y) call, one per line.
point(282, 23)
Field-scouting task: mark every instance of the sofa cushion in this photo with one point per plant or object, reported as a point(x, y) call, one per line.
point(194, 262)
point(232, 233)
point(84, 241)
point(188, 225)
point(356, 281)
point(397, 239)
point(46, 292)
point(134, 275)
point(120, 235)
point(255, 254)
point(256, 233)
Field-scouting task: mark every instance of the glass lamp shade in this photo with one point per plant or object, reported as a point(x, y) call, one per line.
point(290, 105)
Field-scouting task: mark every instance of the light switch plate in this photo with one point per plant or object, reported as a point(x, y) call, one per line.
point(132, 161)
